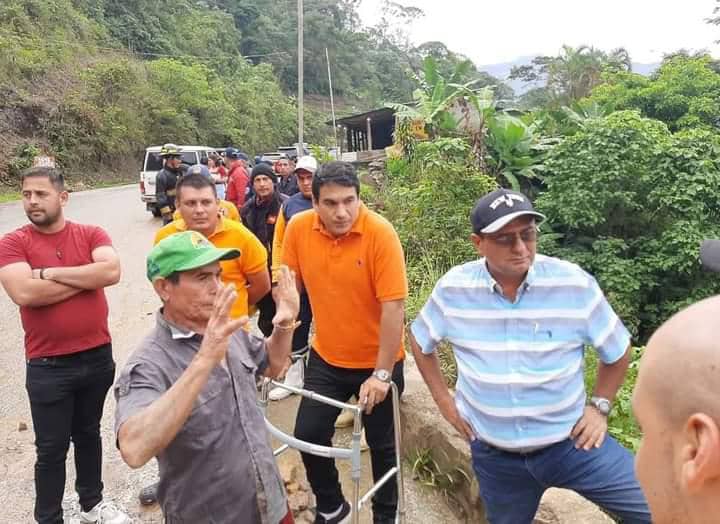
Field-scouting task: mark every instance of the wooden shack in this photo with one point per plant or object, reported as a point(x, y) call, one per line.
point(364, 137)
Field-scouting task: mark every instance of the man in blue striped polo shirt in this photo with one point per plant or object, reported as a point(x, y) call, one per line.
point(518, 324)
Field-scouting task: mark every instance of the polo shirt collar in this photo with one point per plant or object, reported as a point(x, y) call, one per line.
point(524, 286)
point(180, 225)
point(176, 332)
point(357, 228)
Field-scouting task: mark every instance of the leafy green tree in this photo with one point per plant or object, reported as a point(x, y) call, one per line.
point(684, 93)
point(428, 199)
point(574, 73)
point(631, 202)
point(447, 63)
point(434, 100)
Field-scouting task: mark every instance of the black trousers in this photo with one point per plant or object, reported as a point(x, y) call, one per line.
point(316, 423)
point(67, 394)
point(266, 306)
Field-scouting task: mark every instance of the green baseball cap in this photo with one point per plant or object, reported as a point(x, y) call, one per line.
point(183, 252)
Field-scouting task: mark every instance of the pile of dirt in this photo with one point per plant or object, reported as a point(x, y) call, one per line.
point(300, 497)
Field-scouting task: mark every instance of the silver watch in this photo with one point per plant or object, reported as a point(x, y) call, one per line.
point(603, 405)
point(383, 375)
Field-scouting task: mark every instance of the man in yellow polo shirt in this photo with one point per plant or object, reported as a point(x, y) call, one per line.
point(225, 208)
point(350, 261)
point(198, 206)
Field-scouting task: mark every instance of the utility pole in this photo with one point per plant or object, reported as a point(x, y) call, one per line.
point(332, 102)
point(301, 80)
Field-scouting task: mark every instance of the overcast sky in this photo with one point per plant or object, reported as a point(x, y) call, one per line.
point(501, 30)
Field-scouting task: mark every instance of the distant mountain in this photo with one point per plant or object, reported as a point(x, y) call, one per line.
point(502, 72)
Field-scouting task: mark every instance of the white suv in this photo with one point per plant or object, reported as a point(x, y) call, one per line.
point(153, 163)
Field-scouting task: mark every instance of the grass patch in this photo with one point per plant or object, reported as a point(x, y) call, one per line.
point(427, 471)
point(9, 196)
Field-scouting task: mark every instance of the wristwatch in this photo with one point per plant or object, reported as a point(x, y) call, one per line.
point(603, 405)
point(382, 375)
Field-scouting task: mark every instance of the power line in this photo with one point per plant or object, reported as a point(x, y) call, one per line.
point(31, 42)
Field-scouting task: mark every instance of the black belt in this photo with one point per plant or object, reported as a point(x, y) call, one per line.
point(85, 354)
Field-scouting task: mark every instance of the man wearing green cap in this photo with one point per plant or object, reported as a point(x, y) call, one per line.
point(187, 394)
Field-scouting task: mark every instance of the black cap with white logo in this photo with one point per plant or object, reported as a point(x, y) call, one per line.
point(497, 209)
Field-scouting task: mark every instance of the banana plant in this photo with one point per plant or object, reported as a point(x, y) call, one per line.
point(434, 99)
point(511, 154)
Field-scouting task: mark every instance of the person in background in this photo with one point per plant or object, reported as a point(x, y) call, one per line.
point(518, 324)
point(219, 175)
point(259, 215)
point(198, 207)
point(238, 179)
point(676, 405)
point(167, 179)
point(299, 202)
point(287, 184)
point(56, 271)
point(227, 209)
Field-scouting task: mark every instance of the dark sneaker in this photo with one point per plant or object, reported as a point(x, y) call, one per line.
point(148, 495)
point(341, 518)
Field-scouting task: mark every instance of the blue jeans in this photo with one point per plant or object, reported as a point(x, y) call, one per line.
point(511, 484)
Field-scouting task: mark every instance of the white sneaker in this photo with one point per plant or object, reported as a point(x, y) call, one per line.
point(104, 513)
point(294, 377)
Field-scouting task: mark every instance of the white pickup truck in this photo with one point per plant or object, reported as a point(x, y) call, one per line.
point(152, 163)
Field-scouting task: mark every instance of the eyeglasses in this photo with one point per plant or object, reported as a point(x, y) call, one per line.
point(527, 236)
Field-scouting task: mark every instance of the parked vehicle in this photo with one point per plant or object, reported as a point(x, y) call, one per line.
point(293, 150)
point(152, 163)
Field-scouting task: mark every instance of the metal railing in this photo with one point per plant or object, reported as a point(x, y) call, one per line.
point(353, 453)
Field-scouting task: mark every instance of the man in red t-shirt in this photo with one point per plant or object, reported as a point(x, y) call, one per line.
point(238, 179)
point(55, 270)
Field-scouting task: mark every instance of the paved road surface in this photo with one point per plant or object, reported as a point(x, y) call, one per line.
point(132, 306)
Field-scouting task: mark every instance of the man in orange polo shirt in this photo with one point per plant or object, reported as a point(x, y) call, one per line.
point(198, 206)
point(350, 261)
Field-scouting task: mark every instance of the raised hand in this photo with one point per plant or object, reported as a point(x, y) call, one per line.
point(221, 326)
point(287, 298)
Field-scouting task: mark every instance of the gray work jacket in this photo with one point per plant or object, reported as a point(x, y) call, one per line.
point(220, 467)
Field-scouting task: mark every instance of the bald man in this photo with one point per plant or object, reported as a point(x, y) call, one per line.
point(677, 403)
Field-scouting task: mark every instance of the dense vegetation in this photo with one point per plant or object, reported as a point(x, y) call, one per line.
point(626, 167)
point(93, 82)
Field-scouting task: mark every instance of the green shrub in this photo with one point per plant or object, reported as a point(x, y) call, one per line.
point(630, 202)
point(429, 199)
point(23, 159)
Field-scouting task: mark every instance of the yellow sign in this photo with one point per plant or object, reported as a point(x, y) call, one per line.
point(417, 129)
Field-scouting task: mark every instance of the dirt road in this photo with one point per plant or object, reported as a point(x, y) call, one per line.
point(132, 306)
